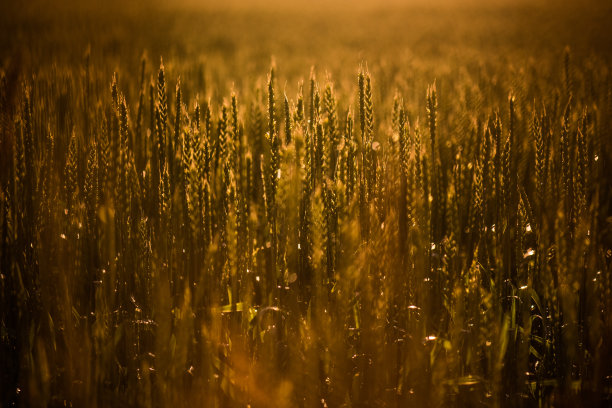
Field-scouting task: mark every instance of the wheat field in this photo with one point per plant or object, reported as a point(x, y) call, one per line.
point(309, 204)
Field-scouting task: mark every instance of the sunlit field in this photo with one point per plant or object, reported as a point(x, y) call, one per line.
point(306, 204)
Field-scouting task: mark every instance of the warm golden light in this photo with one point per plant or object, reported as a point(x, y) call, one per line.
point(333, 203)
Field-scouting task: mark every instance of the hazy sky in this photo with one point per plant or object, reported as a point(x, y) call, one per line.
point(42, 5)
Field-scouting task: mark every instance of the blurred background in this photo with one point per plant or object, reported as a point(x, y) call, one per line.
point(333, 35)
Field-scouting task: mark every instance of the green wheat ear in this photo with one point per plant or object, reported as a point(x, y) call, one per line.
point(366, 116)
point(233, 136)
point(312, 93)
point(404, 211)
point(161, 95)
point(115, 91)
point(582, 181)
point(196, 115)
point(299, 114)
point(271, 105)
point(350, 158)
point(288, 124)
point(566, 159)
point(476, 213)
point(432, 118)
point(331, 129)
point(538, 137)
point(220, 146)
point(139, 115)
point(71, 172)
point(92, 187)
